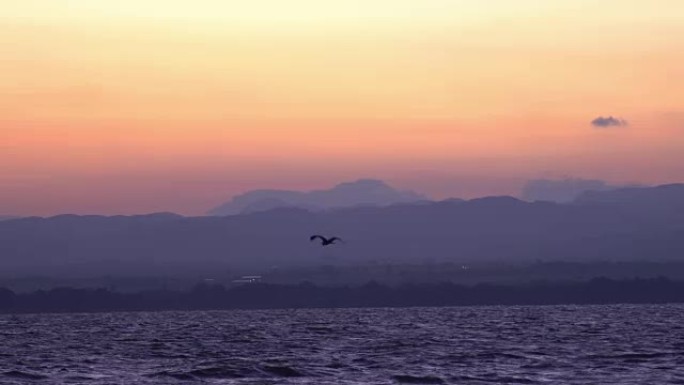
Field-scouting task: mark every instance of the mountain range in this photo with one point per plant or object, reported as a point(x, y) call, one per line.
point(561, 190)
point(624, 224)
point(373, 192)
point(363, 192)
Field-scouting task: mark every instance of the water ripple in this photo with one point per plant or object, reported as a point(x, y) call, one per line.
point(627, 344)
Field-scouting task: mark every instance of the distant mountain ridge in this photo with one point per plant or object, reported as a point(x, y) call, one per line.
point(563, 190)
point(664, 200)
point(361, 192)
point(664, 194)
point(626, 224)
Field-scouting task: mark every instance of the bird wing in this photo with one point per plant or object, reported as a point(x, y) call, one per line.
point(316, 236)
point(333, 239)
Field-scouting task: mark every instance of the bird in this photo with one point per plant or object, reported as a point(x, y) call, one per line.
point(325, 241)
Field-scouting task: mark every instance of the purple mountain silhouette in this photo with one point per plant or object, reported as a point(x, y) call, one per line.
point(363, 192)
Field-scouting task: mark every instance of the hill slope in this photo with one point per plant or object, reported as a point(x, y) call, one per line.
point(486, 229)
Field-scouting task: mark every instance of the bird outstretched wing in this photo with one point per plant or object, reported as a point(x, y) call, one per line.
point(333, 239)
point(314, 237)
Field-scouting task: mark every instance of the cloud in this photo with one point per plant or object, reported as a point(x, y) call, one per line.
point(603, 122)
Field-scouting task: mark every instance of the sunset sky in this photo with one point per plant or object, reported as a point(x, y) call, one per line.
point(135, 106)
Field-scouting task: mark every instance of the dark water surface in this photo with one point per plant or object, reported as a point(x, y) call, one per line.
point(625, 344)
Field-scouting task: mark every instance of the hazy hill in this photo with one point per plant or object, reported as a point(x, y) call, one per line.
point(668, 197)
point(561, 190)
point(348, 194)
point(629, 224)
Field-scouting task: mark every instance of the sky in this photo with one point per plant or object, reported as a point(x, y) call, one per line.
point(136, 106)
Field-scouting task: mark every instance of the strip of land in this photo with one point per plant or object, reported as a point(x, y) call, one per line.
point(372, 294)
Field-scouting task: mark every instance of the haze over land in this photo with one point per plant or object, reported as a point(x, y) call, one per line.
point(631, 224)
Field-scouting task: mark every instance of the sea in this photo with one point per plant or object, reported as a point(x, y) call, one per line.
point(617, 344)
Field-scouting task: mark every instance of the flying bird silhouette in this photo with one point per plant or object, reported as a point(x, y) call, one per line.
point(324, 241)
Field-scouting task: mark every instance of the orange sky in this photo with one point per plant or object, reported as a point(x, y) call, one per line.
point(160, 105)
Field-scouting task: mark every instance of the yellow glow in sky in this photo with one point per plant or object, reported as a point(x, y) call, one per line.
point(260, 11)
